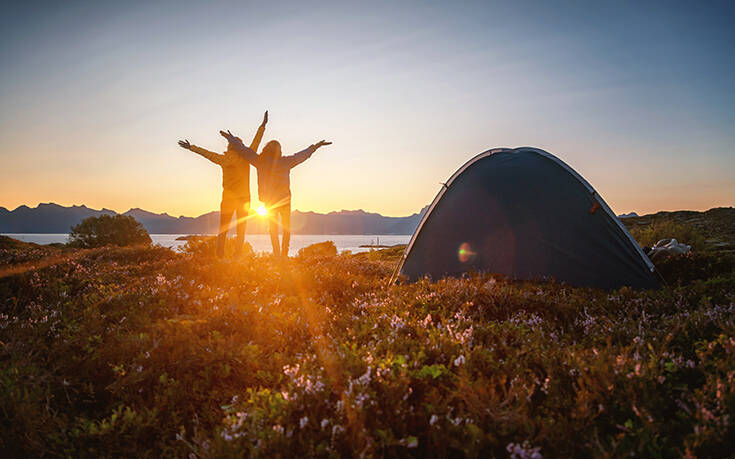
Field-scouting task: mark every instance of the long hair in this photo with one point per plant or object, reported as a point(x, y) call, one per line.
point(271, 151)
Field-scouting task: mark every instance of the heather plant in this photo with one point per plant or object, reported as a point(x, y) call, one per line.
point(143, 351)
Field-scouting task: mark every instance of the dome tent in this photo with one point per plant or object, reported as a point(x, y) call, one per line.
point(525, 214)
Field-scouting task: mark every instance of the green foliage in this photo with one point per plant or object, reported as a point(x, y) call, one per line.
point(13, 251)
point(119, 230)
point(390, 254)
point(650, 234)
point(322, 249)
point(205, 246)
point(695, 266)
point(141, 351)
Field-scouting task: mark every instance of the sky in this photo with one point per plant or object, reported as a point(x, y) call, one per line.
point(638, 97)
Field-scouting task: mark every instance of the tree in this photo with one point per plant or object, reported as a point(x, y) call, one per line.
point(117, 230)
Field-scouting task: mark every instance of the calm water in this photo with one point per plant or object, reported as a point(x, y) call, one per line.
point(260, 242)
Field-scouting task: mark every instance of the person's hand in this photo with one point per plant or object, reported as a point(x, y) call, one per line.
point(265, 118)
point(231, 138)
point(184, 144)
point(321, 143)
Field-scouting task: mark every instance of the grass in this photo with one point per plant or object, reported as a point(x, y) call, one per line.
point(146, 352)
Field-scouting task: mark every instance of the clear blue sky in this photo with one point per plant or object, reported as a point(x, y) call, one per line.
point(637, 97)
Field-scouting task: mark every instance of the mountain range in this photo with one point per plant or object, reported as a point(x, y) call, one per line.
point(53, 218)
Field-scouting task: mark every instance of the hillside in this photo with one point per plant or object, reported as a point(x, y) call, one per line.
point(144, 352)
point(716, 226)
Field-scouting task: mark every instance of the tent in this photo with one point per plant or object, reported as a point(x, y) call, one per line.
point(525, 214)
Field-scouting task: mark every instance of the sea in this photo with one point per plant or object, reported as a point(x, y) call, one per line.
point(259, 242)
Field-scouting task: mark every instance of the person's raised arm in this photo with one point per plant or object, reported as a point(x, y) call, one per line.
point(298, 158)
point(235, 144)
point(210, 155)
point(255, 144)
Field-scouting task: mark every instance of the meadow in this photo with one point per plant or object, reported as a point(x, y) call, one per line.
point(145, 352)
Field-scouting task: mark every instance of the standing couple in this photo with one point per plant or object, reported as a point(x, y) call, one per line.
point(274, 185)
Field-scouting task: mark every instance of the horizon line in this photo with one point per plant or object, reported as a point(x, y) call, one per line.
point(200, 215)
point(310, 211)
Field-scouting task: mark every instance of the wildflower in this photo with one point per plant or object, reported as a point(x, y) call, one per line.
point(545, 387)
point(524, 451)
point(433, 420)
point(303, 422)
point(365, 379)
point(459, 361)
point(410, 442)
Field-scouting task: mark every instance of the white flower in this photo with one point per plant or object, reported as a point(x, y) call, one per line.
point(459, 361)
point(433, 420)
point(303, 422)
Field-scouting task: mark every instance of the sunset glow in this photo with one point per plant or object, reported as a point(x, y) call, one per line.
point(407, 93)
point(262, 211)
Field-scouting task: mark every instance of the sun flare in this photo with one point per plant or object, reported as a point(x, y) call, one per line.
point(262, 211)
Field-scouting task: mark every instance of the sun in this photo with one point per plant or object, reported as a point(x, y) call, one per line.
point(262, 211)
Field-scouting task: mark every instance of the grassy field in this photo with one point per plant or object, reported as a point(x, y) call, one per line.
point(144, 352)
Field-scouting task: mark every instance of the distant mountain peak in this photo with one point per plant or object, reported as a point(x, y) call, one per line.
point(138, 211)
point(350, 212)
point(55, 218)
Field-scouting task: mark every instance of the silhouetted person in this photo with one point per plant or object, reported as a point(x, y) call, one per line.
point(274, 182)
point(235, 188)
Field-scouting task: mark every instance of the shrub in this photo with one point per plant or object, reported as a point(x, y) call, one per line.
point(322, 249)
point(650, 234)
point(120, 230)
point(205, 246)
point(695, 266)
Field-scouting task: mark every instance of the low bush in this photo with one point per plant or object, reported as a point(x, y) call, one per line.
point(322, 249)
point(650, 234)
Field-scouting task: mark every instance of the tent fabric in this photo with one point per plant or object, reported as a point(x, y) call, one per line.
point(527, 215)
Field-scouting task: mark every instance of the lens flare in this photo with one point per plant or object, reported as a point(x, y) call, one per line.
point(465, 253)
point(262, 211)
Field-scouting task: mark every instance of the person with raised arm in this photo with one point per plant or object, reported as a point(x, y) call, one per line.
point(235, 188)
point(274, 183)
